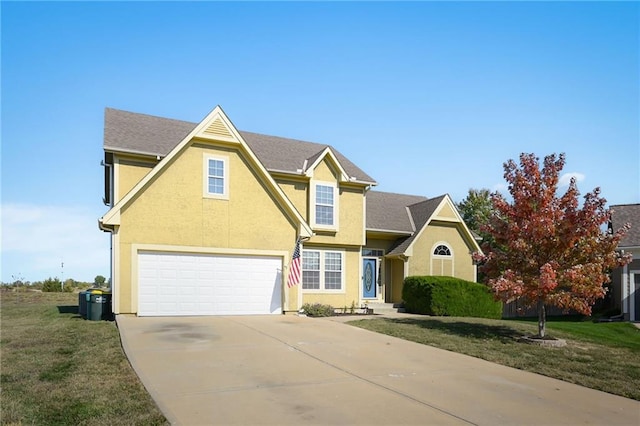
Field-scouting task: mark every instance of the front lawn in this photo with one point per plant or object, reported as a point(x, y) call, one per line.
point(60, 369)
point(603, 356)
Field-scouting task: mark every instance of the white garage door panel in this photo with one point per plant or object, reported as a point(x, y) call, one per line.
point(174, 284)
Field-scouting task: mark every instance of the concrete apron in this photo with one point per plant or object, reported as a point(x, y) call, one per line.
point(296, 370)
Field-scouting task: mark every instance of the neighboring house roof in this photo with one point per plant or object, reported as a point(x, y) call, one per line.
point(146, 134)
point(623, 214)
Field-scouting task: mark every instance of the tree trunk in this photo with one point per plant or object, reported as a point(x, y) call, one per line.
point(542, 319)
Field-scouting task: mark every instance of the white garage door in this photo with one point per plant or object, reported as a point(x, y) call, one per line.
point(171, 284)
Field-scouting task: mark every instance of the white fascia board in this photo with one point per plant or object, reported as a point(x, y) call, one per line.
point(464, 225)
point(131, 151)
point(344, 176)
point(411, 221)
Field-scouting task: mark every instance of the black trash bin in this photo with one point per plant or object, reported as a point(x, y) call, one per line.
point(82, 304)
point(98, 305)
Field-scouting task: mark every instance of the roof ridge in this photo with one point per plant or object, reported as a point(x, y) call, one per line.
point(128, 131)
point(438, 198)
point(151, 115)
point(323, 145)
point(399, 193)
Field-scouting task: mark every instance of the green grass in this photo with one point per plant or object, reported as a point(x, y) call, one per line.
point(603, 356)
point(58, 369)
point(618, 334)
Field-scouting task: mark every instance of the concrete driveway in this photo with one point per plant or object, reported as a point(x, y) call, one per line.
point(295, 370)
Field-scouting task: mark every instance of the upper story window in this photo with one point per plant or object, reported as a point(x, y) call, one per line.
point(442, 250)
point(216, 176)
point(324, 206)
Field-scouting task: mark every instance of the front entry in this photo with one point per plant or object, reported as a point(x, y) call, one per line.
point(369, 282)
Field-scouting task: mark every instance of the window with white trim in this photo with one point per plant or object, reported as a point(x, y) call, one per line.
point(322, 270)
point(372, 252)
point(216, 176)
point(324, 205)
point(311, 270)
point(442, 250)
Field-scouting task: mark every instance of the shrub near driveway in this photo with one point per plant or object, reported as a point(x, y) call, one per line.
point(60, 369)
point(603, 356)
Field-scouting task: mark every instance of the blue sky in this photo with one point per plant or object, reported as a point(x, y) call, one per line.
point(428, 98)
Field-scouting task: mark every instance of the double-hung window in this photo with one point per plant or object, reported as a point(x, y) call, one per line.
point(324, 205)
point(322, 270)
point(216, 176)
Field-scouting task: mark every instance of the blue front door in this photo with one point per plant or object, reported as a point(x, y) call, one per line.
point(369, 278)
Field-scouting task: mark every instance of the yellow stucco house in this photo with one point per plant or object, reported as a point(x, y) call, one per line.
point(204, 219)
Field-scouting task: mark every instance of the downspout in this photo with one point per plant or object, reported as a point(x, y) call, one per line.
point(111, 231)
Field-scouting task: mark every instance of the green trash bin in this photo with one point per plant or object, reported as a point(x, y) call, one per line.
point(83, 300)
point(98, 305)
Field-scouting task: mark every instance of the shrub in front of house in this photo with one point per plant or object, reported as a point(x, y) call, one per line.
point(317, 310)
point(449, 296)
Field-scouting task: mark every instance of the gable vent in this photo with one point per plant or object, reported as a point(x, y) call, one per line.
point(217, 128)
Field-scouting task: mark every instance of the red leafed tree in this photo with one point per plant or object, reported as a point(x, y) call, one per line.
point(547, 250)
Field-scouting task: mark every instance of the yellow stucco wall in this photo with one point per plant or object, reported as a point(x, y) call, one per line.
point(171, 210)
point(446, 212)
point(420, 261)
point(297, 192)
point(326, 171)
point(378, 243)
point(397, 274)
point(129, 172)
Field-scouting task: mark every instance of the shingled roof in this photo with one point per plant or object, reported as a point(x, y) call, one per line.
point(150, 135)
point(623, 214)
point(420, 214)
point(387, 211)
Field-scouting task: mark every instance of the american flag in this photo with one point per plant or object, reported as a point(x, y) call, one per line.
point(294, 267)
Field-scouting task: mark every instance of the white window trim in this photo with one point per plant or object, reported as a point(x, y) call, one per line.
point(381, 251)
point(441, 256)
point(205, 176)
point(323, 270)
point(312, 204)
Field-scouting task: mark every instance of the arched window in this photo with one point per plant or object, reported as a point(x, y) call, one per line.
point(442, 250)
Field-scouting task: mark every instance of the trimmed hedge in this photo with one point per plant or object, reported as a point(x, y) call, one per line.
point(449, 296)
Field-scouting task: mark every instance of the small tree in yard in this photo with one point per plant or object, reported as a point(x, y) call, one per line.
point(99, 281)
point(476, 209)
point(546, 250)
point(51, 285)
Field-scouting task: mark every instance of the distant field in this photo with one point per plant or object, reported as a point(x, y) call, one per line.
point(57, 368)
point(603, 356)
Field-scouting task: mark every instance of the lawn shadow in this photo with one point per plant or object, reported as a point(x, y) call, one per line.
point(464, 329)
point(68, 309)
